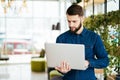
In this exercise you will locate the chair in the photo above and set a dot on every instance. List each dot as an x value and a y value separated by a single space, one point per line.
38 64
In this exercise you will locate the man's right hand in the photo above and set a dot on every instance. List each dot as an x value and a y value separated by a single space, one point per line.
64 67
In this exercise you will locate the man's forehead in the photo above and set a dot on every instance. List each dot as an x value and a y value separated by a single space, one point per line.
73 17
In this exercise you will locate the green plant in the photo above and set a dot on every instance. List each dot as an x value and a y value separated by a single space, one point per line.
101 24
117 69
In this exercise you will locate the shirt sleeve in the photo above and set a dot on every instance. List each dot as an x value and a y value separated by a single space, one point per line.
101 60
59 40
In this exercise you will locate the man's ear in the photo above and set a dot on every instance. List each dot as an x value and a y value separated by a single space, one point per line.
83 18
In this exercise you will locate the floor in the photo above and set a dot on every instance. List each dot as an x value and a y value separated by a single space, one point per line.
18 68
20 72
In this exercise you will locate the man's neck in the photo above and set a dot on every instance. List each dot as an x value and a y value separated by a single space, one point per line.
80 30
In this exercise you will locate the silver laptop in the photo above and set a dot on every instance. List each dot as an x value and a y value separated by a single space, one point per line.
74 54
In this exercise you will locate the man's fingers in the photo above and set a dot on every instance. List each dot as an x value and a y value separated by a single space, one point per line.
58 68
64 67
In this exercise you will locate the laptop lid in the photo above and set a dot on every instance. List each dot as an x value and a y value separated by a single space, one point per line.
74 54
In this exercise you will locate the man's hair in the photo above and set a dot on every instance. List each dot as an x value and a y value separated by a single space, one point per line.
75 10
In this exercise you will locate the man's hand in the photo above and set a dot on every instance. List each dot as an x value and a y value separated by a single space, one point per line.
64 67
86 63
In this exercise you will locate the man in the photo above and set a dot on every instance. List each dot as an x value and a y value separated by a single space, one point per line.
95 53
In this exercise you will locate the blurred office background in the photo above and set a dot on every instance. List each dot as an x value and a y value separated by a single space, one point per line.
25 25
28 24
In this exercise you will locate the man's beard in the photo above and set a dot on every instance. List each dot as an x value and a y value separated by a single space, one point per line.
75 31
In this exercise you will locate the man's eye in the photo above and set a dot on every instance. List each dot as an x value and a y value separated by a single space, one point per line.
74 21
69 21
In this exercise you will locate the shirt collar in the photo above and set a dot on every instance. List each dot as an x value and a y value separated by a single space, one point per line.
83 32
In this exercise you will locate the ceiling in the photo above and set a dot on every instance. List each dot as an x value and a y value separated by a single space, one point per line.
96 1
91 2
99 1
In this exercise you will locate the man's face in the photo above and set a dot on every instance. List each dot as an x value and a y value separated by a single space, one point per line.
74 22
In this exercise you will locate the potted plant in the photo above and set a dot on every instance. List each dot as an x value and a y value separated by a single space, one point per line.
114 64
116 49
117 69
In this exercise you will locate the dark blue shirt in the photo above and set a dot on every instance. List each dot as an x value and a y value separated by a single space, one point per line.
95 53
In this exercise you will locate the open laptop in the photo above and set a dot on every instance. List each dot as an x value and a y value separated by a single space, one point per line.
74 54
